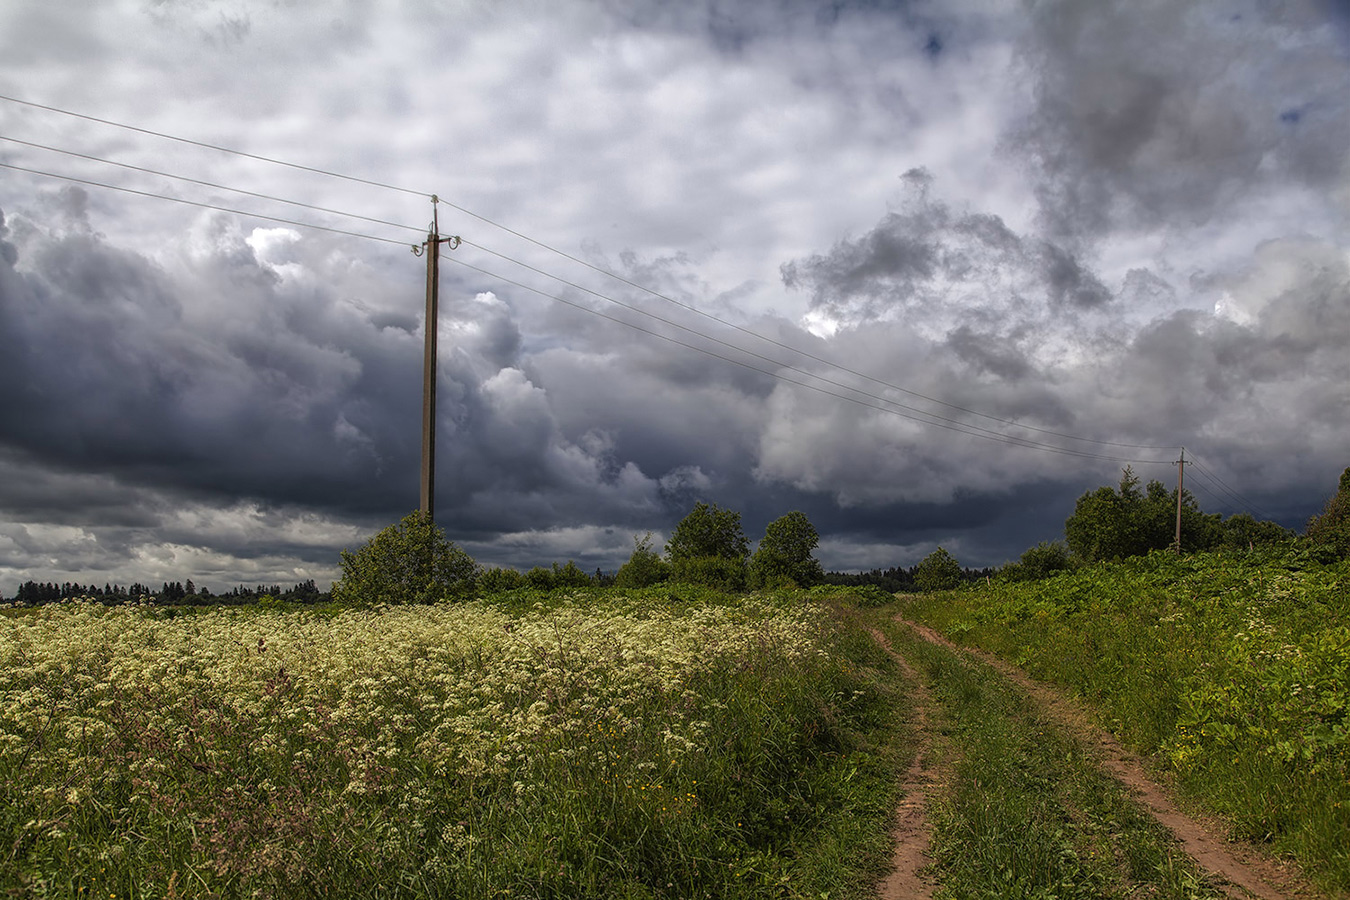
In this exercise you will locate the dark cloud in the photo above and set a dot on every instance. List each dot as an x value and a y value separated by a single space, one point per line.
1157 112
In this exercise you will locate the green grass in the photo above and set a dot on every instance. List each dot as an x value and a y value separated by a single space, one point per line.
1230 670
1030 815
570 745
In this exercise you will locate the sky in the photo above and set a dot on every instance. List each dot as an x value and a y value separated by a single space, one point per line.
925 271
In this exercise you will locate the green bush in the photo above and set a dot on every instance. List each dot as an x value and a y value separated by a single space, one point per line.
1041 561
939 571
712 571
409 562
1332 528
784 558
644 568
496 581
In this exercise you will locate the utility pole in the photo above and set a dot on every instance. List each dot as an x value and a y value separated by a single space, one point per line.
1181 466
431 248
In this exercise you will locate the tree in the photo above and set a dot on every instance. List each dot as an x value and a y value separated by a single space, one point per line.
784 556
708 547
939 571
1331 528
644 568
1109 524
1041 561
1243 531
493 581
409 562
708 531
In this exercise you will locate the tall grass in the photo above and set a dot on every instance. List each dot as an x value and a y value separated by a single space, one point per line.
1231 670
620 747
1030 815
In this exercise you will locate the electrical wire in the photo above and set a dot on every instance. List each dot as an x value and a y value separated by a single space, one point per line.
211 184
949 424
219 148
931 416
1241 501
593 267
239 212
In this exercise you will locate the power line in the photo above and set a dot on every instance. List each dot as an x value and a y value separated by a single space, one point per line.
933 416
240 212
777 343
217 147
593 267
949 424
1242 501
212 184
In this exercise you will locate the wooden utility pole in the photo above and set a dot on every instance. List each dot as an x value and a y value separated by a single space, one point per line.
431 247
1181 479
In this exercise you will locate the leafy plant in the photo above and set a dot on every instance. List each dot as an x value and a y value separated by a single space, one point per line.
708 530
939 571
709 547
409 562
644 568
784 556
1332 527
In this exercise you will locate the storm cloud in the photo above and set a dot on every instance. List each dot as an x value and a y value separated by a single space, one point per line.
926 272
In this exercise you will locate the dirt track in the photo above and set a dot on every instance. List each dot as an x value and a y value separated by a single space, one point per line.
1242 871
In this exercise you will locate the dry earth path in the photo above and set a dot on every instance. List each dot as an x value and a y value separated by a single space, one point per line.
1243 871
911 832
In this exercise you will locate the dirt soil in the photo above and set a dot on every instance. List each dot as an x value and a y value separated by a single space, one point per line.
1242 870
925 779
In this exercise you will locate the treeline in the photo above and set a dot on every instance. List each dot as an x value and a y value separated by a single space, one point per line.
35 593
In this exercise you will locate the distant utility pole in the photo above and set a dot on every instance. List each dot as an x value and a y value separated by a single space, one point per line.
431 248
1181 478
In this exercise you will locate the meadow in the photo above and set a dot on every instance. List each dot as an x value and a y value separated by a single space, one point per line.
1230 670
591 744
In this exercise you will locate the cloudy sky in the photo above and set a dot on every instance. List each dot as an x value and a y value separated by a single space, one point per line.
925 271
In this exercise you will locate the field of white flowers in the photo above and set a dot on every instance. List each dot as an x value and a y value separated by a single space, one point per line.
571 747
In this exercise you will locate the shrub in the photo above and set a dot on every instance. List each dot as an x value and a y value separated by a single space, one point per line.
784 556
495 581
939 571
1332 528
708 531
1041 561
644 568
713 571
409 562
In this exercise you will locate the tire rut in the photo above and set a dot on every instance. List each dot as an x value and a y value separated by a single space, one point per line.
1242 872
925 779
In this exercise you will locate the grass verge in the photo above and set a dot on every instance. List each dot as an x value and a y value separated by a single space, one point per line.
1030 815
1231 670
592 745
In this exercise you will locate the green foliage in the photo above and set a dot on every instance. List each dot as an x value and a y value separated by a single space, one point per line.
644 568
495 581
540 578
1041 561
736 749
1109 524
1332 527
719 572
1029 813
570 576
1243 531
784 556
409 562
708 531
939 571
1229 666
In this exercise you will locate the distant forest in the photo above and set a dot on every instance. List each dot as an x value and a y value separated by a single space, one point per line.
34 593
